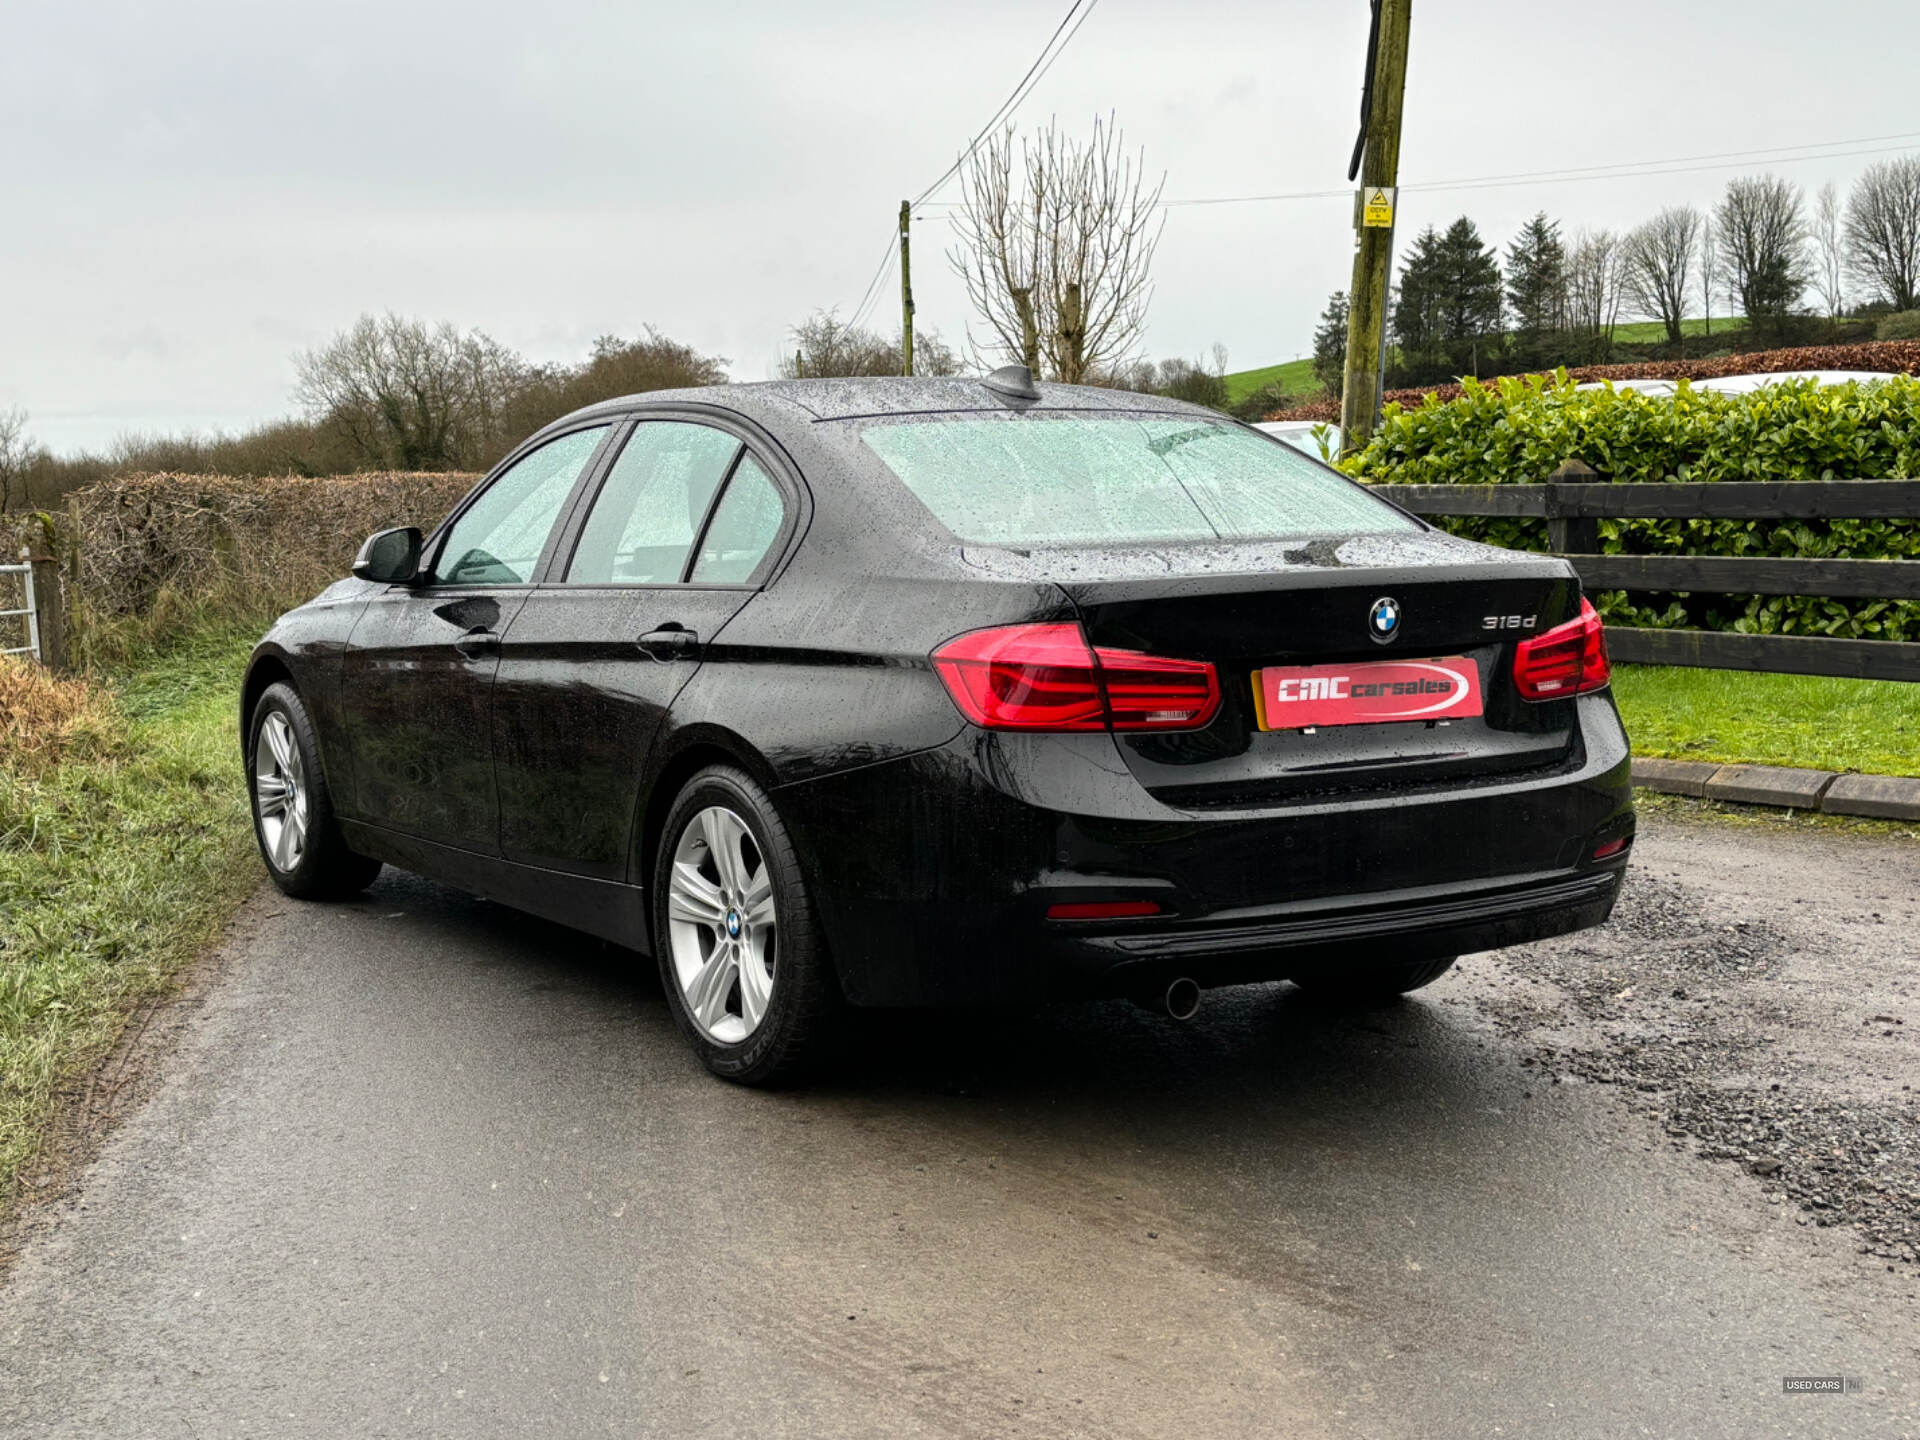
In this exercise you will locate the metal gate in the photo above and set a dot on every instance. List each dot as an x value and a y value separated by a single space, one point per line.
30 612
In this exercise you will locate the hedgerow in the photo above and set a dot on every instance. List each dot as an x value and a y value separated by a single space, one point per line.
1893 357
151 555
1519 431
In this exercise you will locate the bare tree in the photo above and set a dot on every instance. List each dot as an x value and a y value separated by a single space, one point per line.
1656 259
17 454
1829 254
1763 231
1595 271
616 366
1709 273
826 345
409 396
1056 251
1883 231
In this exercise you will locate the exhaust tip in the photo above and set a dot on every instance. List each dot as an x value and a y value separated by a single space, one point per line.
1182 1000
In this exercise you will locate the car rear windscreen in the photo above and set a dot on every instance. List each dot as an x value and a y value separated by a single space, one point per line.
1116 478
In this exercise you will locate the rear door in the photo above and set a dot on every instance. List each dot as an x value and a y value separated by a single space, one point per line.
664 556
417 691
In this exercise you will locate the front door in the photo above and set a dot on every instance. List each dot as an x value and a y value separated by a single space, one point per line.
420 665
596 656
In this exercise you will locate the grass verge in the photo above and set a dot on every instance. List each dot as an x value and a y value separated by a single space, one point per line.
1731 717
120 858
1766 817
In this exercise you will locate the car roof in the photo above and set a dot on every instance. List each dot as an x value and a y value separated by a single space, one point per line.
1739 384
859 396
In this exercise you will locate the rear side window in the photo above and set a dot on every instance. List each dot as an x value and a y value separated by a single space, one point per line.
644 520
1116 479
745 524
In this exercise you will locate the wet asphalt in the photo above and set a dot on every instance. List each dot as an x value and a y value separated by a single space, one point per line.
417 1166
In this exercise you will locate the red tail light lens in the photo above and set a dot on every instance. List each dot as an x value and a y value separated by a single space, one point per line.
1569 659
1151 692
1024 677
1046 677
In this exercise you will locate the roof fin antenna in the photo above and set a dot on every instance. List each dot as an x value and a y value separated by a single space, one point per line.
1013 381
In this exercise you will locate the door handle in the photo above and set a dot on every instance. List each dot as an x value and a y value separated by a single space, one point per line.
478 642
669 641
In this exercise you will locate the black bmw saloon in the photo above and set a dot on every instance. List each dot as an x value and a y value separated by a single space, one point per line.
904 692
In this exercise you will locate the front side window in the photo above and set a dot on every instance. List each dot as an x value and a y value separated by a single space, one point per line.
745 525
1116 479
644 520
498 539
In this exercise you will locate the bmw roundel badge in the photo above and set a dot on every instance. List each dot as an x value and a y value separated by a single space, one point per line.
1383 620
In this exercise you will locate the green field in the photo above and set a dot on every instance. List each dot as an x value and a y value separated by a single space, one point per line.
1652 332
1728 716
1295 377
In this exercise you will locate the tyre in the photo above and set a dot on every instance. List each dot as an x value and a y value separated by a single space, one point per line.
1373 984
742 958
292 807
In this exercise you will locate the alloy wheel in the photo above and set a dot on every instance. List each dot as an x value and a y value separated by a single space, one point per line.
721 925
280 792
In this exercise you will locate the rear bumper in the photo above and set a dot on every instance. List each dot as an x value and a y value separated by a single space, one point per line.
933 874
1384 930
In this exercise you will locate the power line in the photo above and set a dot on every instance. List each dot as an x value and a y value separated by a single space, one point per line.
872 289
1035 73
876 288
1676 165
1571 179
1633 165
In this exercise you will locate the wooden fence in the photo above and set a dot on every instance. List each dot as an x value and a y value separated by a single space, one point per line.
1575 500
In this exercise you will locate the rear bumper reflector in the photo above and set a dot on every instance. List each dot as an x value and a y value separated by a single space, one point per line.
1103 910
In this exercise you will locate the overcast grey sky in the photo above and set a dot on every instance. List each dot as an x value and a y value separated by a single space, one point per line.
194 191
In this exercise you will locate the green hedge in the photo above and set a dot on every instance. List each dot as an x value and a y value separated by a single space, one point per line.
1519 431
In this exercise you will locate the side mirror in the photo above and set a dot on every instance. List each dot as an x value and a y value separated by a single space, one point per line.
392 557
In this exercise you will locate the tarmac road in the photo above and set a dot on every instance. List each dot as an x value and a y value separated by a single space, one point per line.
417 1166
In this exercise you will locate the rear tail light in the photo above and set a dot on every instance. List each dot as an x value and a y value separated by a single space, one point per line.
1151 692
1611 848
1046 677
1024 677
1569 659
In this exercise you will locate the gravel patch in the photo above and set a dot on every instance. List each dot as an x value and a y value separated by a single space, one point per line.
1760 1027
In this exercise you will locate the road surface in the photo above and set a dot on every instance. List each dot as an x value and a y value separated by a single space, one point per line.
416 1166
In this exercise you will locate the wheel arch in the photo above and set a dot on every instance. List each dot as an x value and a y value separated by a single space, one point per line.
268 668
692 750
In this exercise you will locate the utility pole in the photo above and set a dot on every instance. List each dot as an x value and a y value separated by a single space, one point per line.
906 290
1379 165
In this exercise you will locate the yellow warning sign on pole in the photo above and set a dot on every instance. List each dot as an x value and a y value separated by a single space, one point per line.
1376 207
